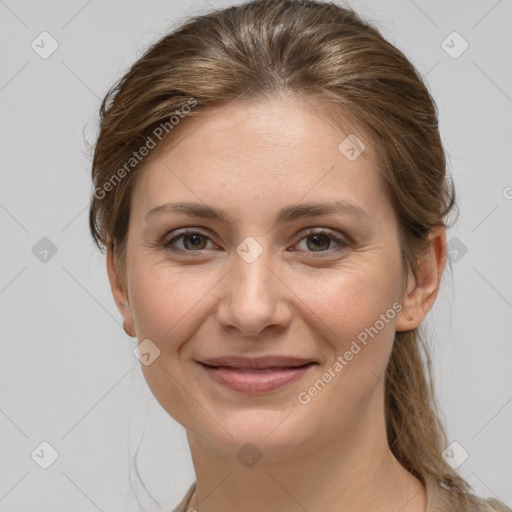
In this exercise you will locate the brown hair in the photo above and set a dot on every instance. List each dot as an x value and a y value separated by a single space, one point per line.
318 51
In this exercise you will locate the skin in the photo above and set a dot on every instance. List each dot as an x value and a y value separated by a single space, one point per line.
251 159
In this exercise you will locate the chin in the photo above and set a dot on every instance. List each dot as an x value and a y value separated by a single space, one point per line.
266 435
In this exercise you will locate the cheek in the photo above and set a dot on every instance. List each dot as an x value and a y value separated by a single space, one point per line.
349 301
168 306
356 314
168 302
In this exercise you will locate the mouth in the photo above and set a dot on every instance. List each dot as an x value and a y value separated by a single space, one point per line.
255 376
258 370
256 363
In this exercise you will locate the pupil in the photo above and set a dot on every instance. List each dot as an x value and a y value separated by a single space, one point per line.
318 239
194 239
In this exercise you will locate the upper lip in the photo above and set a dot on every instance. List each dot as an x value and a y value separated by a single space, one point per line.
257 362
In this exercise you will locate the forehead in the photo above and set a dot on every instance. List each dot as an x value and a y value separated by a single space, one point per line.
266 152
284 124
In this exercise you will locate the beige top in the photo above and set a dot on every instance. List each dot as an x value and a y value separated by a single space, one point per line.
438 500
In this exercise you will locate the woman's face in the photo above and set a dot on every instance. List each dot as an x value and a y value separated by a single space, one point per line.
269 278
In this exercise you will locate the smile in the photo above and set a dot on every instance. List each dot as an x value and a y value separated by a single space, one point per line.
255 381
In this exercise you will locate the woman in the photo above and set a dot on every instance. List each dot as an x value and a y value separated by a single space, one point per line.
270 187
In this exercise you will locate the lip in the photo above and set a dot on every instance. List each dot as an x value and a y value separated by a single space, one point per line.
256 376
258 363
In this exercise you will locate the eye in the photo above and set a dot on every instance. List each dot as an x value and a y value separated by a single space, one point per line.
190 241
321 242
195 242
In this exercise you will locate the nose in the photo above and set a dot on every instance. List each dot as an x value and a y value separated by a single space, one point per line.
254 297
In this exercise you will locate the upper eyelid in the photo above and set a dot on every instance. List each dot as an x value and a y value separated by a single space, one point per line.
188 231
309 232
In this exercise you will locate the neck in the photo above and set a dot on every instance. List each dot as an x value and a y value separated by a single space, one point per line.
353 472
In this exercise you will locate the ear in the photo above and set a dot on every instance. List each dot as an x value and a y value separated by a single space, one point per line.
120 296
423 287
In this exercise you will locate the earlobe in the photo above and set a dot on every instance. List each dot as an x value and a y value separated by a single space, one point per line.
129 328
119 294
422 288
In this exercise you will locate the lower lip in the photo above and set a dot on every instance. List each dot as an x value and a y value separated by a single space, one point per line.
255 381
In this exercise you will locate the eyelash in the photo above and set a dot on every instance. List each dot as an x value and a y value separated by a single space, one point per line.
316 254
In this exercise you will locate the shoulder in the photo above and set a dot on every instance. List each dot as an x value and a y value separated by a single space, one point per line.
493 505
487 504
442 499
438 500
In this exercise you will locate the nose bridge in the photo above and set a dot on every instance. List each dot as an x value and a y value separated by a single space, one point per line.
253 295
252 277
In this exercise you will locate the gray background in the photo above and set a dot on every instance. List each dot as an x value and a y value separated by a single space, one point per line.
68 375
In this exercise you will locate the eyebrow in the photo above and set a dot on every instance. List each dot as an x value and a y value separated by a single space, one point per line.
286 214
